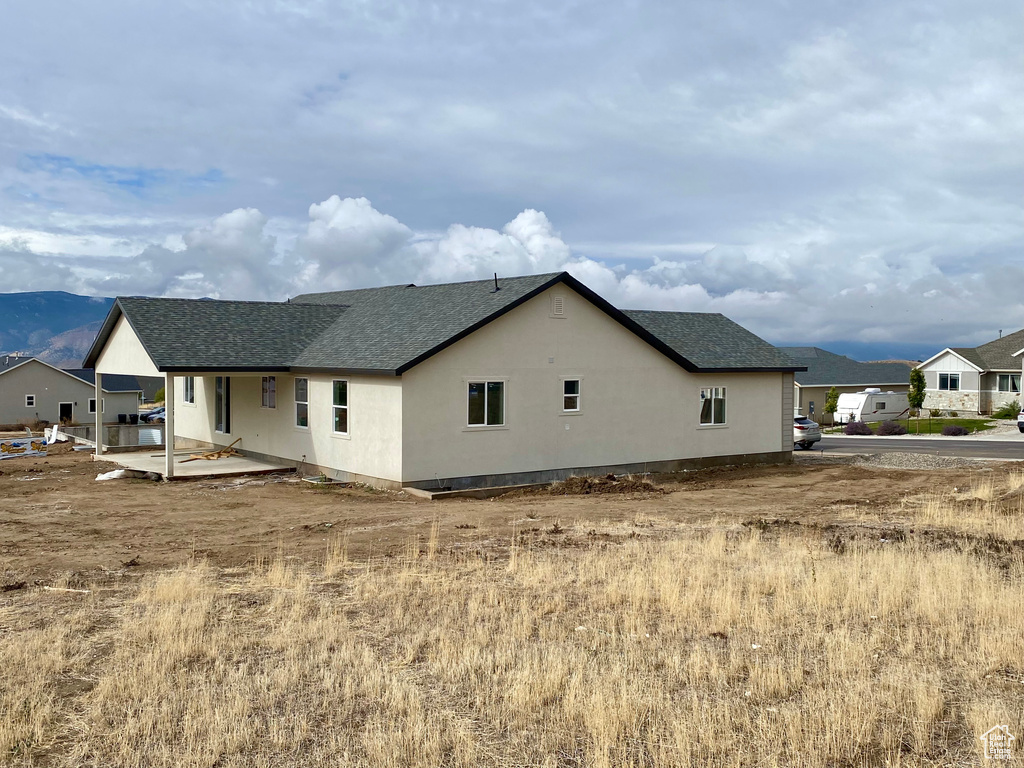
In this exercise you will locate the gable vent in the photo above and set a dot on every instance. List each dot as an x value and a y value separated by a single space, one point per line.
558 306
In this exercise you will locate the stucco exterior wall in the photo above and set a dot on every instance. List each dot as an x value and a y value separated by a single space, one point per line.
52 387
636 404
124 353
967 399
370 451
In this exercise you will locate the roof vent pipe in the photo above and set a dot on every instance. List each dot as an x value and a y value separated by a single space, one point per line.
496 288
1000 333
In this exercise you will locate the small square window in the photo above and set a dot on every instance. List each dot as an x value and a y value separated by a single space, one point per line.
949 382
712 406
486 403
30 401
571 395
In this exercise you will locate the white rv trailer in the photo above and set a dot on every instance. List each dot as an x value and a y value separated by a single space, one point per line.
871 405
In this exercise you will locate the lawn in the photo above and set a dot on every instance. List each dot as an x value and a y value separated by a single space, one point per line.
930 426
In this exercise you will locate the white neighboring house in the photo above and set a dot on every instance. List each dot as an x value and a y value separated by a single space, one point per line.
975 380
32 390
461 385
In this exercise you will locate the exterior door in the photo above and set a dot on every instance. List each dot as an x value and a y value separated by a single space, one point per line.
67 412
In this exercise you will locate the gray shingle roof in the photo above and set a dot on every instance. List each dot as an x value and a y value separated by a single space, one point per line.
712 341
995 355
112 382
826 368
389 330
9 361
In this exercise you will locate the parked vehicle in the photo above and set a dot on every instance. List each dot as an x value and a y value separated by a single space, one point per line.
156 416
1020 421
805 432
871 405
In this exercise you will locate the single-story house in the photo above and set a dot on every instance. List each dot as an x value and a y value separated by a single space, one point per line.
472 384
825 370
32 390
974 379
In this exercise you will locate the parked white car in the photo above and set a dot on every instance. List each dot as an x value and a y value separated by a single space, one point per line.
805 432
1020 421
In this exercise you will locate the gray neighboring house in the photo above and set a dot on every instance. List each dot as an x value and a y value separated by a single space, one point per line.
975 379
827 369
459 385
32 390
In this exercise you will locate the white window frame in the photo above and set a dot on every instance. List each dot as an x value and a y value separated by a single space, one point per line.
949 380
188 390
30 401
713 393
1009 382
487 380
335 408
578 395
92 405
268 392
295 392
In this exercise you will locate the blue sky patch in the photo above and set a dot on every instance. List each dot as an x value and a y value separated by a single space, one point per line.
136 180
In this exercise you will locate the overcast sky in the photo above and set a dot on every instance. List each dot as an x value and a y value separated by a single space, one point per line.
819 171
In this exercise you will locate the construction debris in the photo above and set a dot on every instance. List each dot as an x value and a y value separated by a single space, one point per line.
214 455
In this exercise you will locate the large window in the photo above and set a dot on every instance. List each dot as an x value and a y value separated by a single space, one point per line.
949 381
1009 382
269 390
222 404
188 391
302 403
340 406
712 405
570 395
486 403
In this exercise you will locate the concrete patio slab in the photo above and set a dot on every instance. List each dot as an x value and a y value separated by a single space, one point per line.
230 466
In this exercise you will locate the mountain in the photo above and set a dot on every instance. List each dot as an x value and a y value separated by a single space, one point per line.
55 326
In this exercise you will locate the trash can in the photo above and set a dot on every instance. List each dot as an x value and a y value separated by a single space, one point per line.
122 418
133 418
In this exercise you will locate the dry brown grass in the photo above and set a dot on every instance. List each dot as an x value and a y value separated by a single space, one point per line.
717 648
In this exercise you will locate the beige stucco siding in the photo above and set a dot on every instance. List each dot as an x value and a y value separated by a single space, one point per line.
372 448
50 388
124 353
636 404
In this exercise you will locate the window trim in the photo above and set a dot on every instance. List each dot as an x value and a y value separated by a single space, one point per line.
295 397
1009 383
92 405
578 395
713 396
30 401
225 405
485 380
949 378
268 395
334 407
188 391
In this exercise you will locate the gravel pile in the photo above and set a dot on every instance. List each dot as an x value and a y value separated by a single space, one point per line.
912 461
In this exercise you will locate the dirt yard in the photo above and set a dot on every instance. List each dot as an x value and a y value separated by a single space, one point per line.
57 521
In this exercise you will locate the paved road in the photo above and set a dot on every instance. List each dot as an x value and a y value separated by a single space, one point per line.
1011 448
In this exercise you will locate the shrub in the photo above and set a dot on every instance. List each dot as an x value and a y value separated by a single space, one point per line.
954 430
934 413
953 414
857 428
159 396
1008 410
887 428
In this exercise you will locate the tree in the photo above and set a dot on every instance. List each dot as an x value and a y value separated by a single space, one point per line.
915 395
831 404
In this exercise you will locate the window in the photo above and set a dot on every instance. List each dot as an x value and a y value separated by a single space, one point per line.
30 401
222 404
879 406
269 389
712 405
949 381
302 403
340 407
188 391
92 404
486 403
1009 382
570 394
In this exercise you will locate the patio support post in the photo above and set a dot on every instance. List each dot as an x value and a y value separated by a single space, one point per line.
99 413
169 425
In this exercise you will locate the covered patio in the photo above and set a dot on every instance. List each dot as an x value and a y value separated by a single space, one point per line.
228 466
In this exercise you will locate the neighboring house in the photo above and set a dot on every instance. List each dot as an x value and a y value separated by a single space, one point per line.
458 385
974 379
31 390
826 370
